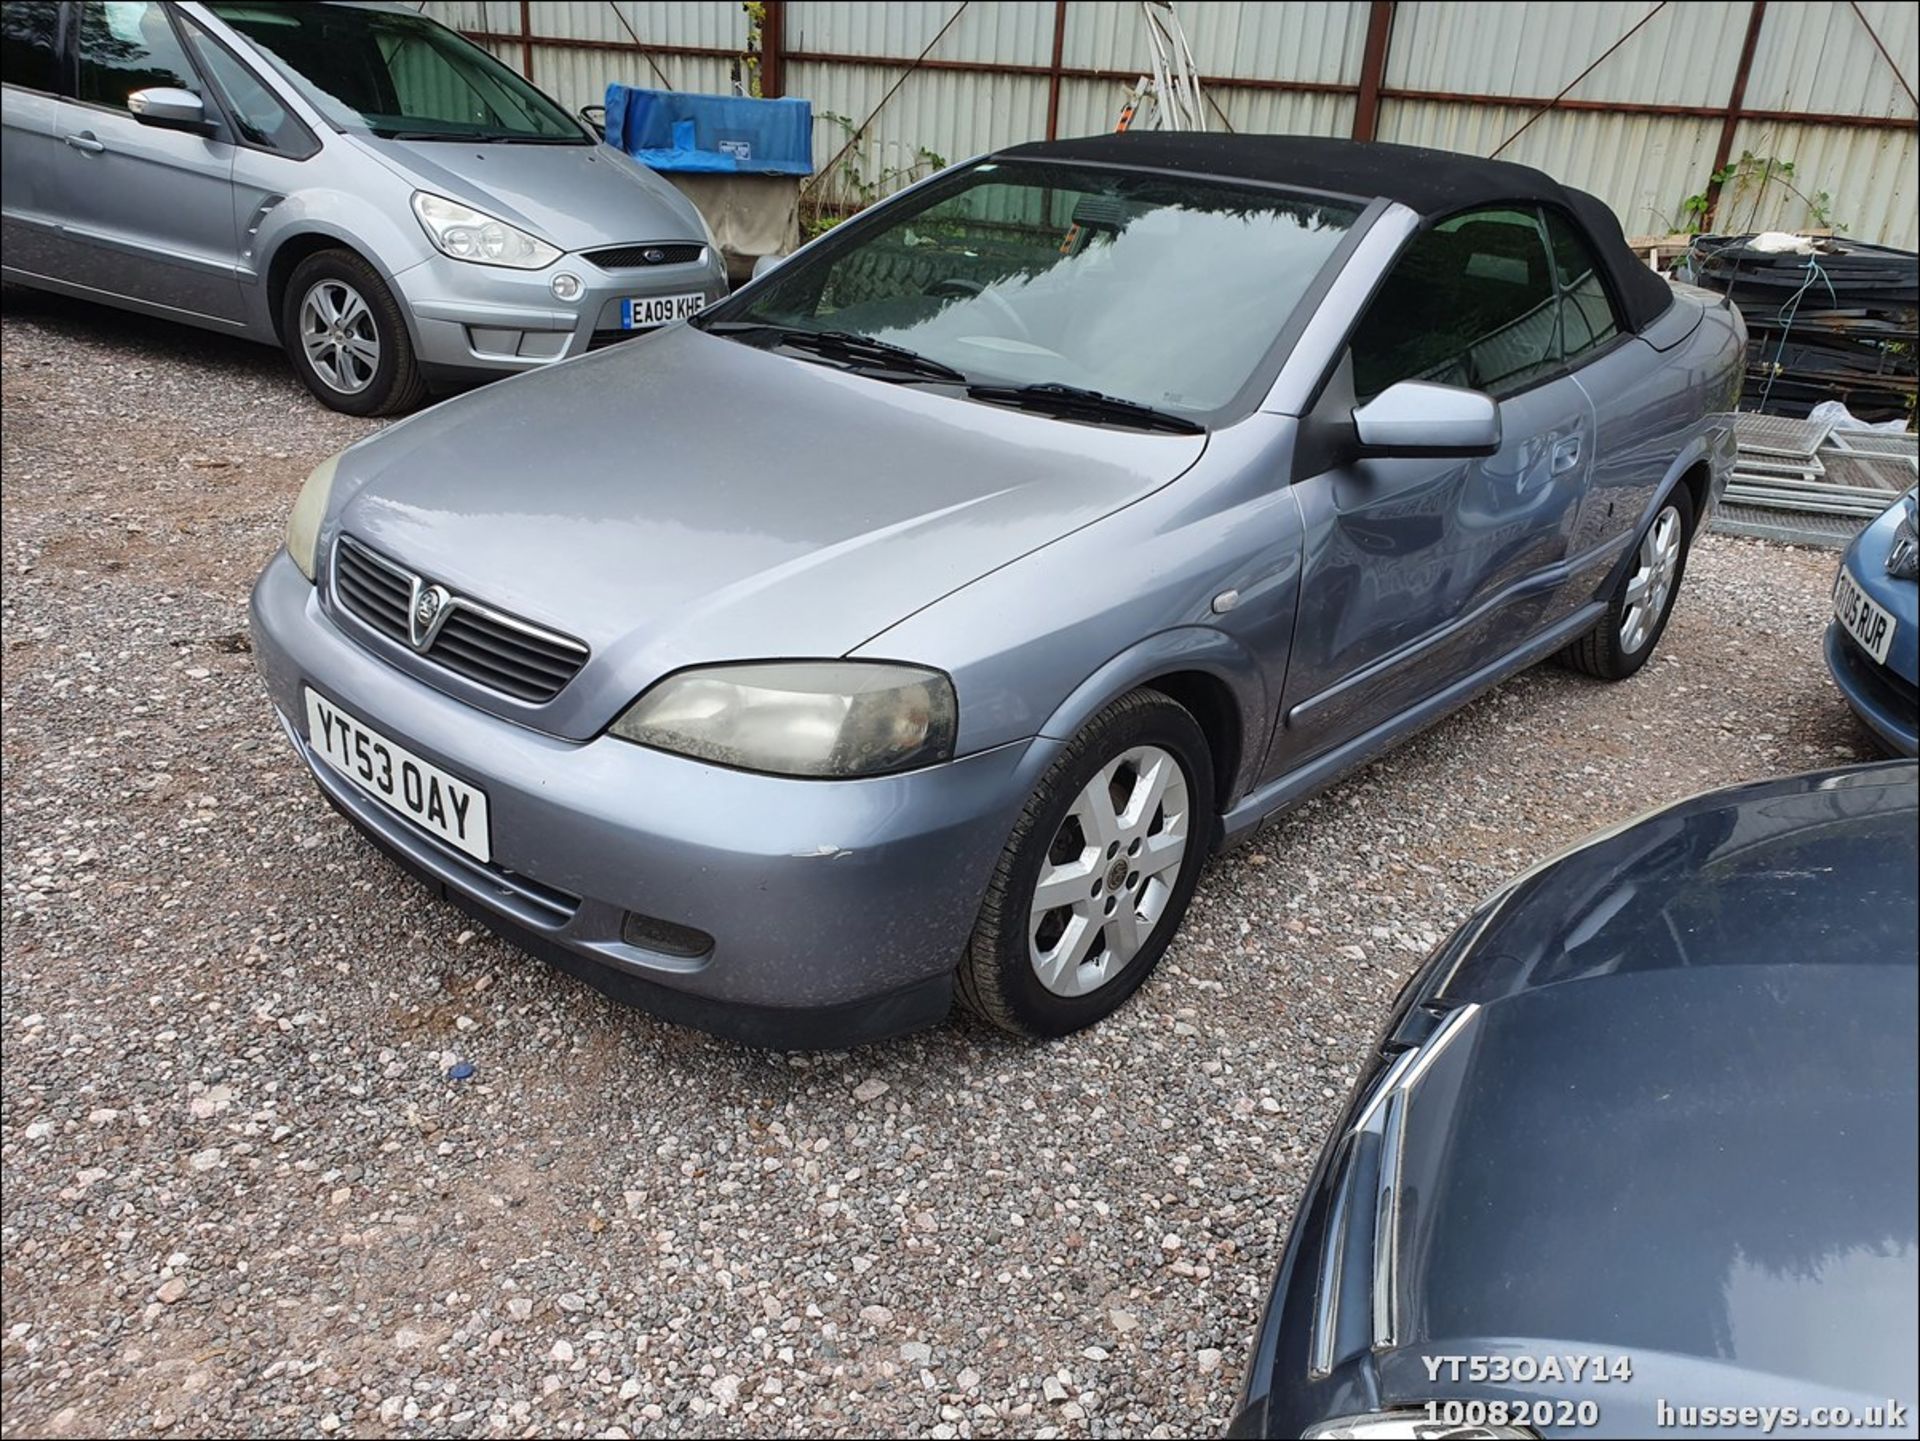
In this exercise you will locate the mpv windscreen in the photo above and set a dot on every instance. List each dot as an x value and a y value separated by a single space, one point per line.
400 76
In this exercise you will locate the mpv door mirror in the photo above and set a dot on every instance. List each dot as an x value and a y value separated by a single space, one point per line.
763 263
1418 418
169 108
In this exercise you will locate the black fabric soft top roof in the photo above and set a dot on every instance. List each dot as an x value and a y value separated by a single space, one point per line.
1436 183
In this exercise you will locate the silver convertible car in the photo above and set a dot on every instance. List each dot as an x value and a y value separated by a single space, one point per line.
914 623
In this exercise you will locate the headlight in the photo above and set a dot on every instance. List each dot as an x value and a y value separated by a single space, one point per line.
468 234
303 526
1410 1426
800 718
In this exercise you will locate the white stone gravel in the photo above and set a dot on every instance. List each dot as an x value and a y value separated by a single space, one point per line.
242 1195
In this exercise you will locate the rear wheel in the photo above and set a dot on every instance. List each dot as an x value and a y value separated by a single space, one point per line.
346 337
1097 874
1643 600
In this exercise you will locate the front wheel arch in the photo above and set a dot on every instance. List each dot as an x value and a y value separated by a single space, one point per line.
1207 672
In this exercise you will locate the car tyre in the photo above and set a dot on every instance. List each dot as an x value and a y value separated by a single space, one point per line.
347 338
1123 870
1642 600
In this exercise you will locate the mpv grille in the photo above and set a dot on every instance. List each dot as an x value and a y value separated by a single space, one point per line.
634 257
469 638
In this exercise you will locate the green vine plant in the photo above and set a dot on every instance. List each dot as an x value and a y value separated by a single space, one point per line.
756 13
855 180
1746 178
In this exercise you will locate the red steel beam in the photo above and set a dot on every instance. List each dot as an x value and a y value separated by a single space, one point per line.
526 38
1736 99
1054 71
1373 70
1221 82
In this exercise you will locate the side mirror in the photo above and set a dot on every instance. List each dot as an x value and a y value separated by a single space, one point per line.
1418 418
168 108
596 117
763 263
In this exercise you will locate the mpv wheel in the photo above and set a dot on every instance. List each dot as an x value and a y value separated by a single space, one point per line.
346 337
1097 874
1643 600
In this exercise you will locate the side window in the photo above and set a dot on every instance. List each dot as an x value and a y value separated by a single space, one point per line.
257 111
128 45
1587 321
29 32
1470 303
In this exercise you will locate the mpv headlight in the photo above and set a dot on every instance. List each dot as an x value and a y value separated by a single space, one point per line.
800 718
468 234
303 526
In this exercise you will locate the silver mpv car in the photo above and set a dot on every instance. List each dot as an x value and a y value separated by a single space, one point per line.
356 183
914 622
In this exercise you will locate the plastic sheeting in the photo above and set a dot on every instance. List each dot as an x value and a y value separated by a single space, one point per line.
677 132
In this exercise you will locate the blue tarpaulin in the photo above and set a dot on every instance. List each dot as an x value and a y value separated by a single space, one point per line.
712 134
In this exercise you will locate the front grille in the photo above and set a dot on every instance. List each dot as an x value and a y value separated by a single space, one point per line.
474 640
635 257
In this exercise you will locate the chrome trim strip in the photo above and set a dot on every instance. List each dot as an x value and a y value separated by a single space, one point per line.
1326 1305
1386 1216
1326 1309
1386 1223
1364 1122
415 583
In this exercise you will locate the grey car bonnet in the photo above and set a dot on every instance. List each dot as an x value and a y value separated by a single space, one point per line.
687 499
576 196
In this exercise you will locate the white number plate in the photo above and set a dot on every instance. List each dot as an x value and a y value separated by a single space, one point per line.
423 793
644 314
1869 624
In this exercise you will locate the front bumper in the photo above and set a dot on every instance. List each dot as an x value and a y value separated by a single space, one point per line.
1884 703
1883 695
486 320
837 909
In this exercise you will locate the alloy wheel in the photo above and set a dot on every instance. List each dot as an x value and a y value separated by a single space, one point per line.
1110 871
338 334
1655 570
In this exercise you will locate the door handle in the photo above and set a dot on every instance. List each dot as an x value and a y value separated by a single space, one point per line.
85 141
1566 454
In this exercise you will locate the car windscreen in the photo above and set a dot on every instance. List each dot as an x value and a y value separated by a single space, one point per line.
399 75
1165 290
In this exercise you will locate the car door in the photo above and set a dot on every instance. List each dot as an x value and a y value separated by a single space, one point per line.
1420 573
150 209
32 74
1643 419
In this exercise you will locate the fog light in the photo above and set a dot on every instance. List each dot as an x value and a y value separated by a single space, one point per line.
650 933
566 287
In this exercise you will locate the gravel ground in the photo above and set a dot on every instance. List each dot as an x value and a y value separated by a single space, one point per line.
242 1194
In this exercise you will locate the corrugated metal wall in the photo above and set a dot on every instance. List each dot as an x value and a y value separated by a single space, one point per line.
1623 130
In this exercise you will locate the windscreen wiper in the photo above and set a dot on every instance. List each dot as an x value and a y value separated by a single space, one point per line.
859 352
479 137
1072 402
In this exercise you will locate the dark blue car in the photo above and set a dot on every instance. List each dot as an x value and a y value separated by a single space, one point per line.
1873 643
1639 1139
